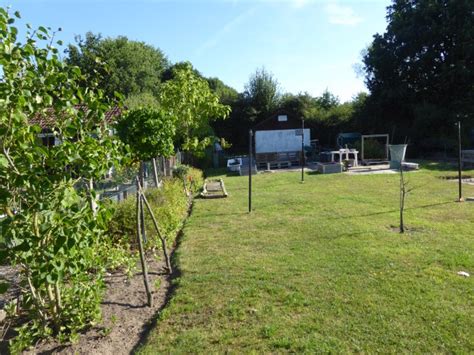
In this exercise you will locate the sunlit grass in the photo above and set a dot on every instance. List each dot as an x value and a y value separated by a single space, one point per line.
320 266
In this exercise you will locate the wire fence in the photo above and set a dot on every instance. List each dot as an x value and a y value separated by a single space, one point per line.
118 187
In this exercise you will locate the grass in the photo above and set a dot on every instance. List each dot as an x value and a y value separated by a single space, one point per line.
320 267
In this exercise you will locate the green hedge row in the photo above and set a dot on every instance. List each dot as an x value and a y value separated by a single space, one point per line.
169 204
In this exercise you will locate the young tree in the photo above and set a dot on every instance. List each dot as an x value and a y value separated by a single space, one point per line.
188 98
149 133
54 228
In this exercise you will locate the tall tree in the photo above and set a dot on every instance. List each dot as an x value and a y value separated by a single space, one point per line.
227 95
421 70
132 67
263 94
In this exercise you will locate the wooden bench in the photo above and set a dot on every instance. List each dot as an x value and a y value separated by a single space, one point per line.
279 160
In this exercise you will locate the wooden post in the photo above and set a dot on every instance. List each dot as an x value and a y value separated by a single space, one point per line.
402 198
162 239
250 169
140 247
155 172
302 151
460 198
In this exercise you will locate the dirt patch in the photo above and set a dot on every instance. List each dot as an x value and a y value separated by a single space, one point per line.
408 230
126 316
9 275
455 177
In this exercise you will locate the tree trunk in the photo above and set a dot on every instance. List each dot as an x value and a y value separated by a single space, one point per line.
140 247
92 198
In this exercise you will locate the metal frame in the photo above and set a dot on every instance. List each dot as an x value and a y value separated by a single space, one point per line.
386 136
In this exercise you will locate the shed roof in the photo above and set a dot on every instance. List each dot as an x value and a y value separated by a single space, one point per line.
48 119
272 122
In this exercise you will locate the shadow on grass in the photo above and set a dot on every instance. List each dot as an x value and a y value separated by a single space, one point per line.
210 173
150 326
391 211
437 166
234 214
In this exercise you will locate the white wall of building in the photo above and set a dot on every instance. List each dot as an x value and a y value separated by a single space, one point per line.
284 140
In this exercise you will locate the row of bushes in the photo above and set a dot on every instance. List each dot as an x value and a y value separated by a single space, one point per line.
114 249
169 204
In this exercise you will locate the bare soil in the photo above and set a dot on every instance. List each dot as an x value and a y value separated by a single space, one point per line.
126 316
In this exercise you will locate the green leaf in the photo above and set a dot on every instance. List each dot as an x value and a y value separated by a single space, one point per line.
3 161
4 287
43 29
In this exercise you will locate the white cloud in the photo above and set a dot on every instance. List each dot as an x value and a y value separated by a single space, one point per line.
342 15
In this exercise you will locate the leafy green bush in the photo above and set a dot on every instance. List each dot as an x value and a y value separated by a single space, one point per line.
193 177
53 229
169 204
373 149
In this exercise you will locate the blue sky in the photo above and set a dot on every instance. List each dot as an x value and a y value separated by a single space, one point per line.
308 45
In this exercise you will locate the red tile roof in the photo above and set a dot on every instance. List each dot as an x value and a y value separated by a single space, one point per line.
48 119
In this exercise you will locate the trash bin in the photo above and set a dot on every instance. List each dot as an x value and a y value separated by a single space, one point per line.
397 155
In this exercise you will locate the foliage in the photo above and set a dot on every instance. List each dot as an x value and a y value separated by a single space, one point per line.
148 132
54 225
131 68
421 70
227 95
169 204
192 177
145 99
262 93
327 100
373 149
188 98
196 177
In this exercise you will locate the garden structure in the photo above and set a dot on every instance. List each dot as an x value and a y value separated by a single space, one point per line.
278 141
214 189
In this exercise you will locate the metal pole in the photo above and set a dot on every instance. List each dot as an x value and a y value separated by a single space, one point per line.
250 169
302 151
459 162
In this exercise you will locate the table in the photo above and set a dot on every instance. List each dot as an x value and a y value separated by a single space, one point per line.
345 152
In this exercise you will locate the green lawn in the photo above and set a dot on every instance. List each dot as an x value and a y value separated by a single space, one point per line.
318 267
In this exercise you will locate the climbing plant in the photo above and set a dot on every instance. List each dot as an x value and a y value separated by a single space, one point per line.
54 226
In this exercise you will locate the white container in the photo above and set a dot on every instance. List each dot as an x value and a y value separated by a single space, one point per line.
397 155
234 164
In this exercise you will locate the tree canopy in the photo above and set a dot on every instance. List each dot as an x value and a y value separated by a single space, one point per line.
188 98
421 70
263 94
132 67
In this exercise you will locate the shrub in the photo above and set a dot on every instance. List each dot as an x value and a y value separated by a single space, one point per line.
373 149
193 177
169 204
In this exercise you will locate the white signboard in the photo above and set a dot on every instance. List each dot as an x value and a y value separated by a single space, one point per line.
284 140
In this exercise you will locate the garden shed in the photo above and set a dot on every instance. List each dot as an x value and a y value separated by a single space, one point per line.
278 141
